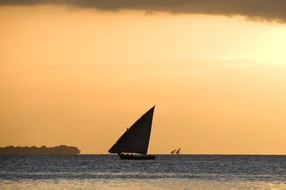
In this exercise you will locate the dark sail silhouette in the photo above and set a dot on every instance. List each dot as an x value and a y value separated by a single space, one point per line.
135 139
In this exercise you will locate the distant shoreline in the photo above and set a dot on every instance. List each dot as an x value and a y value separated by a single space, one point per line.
43 150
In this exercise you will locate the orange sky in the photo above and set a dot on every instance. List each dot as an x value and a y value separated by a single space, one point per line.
80 77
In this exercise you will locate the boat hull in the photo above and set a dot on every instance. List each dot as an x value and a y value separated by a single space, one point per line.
136 157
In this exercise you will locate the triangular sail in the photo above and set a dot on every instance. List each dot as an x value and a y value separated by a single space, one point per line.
136 138
178 151
173 151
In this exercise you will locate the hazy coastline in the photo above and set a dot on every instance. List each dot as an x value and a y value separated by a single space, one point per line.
43 150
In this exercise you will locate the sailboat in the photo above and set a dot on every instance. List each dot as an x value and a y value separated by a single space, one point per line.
173 151
178 151
133 144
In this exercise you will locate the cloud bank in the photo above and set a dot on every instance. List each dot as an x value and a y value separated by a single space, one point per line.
270 10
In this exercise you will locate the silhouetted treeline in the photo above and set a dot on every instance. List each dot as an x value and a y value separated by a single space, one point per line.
43 150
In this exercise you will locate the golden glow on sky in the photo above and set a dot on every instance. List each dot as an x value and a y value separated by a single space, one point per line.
80 77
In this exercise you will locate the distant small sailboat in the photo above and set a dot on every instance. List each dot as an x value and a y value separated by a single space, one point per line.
173 151
135 139
178 151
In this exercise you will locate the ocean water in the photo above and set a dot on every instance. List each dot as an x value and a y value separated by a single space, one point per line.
165 172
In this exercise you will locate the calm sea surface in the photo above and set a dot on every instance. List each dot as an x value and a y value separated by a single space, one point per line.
165 172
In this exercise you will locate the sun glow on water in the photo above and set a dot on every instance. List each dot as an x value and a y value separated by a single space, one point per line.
140 184
106 172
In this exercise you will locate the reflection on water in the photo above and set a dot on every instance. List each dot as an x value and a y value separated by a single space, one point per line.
138 184
166 172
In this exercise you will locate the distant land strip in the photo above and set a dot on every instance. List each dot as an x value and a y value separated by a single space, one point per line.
43 150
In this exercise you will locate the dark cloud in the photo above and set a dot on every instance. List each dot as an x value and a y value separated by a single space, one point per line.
270 10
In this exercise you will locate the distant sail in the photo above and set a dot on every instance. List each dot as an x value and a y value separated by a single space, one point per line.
173 151
136 138
178 151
